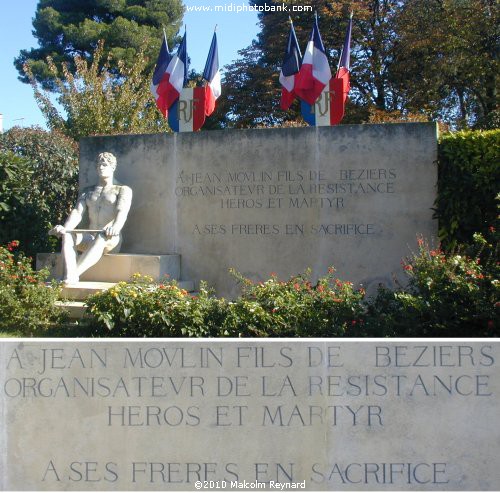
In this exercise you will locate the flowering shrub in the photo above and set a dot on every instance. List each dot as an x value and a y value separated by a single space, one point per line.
454 295
142 308
270 309
295 308
447 295
26 303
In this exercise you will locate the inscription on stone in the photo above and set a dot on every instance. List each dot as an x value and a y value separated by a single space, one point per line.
284 189
327 415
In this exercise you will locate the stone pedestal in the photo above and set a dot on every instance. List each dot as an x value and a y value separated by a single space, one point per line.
118 267
111 269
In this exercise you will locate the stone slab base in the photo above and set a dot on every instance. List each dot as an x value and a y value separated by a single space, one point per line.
118 267
76 309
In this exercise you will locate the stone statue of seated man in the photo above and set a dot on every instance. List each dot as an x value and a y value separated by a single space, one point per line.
108 205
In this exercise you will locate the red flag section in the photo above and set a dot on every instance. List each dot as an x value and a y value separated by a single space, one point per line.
339 88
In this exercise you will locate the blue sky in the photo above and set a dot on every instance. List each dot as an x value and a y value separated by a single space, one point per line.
17 105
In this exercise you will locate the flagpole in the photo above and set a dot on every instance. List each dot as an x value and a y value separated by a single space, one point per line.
340 58
342 50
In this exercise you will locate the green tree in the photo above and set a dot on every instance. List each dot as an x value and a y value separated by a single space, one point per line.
96 101
410 60
370 59
251 97
38 185
68 28
453 47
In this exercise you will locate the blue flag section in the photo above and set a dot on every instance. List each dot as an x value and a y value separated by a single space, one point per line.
162 63
346 49
291 67
212 64
161 77
182 55
212 75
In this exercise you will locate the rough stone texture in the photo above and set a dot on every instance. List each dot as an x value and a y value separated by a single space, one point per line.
279 200
118 267
339 415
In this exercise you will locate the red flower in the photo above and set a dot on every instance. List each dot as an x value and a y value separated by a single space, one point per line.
321 288
492 229
408 267
491 324
296 286
12 245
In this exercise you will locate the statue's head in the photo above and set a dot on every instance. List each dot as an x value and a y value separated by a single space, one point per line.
107 159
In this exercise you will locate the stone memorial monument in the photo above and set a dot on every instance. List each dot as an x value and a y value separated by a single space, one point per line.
278 200
354 197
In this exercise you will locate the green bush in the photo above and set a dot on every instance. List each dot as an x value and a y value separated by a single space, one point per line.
38 185
26 302
296 308
448 295
270 309
142 308
15 175
468 183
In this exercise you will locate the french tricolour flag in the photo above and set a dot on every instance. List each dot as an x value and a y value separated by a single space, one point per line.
160 77
315 72
291 67
212 75
172 81
329 108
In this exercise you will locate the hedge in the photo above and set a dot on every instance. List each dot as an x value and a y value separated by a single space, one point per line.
468 185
